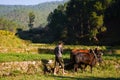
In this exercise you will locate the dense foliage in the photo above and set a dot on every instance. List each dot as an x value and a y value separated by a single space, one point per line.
112 23
83 21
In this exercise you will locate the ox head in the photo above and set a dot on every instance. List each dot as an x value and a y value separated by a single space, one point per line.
99 55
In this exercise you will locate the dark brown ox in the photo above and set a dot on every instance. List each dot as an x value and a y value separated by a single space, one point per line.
76 51
82 58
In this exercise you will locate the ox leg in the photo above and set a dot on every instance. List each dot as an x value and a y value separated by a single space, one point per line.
91 68
75 67
80 65
85 67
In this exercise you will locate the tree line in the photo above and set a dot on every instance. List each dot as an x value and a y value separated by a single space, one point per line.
90 22
86 22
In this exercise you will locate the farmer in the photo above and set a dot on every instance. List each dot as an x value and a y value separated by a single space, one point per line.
58 57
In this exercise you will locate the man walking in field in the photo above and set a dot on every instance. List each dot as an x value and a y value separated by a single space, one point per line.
58 57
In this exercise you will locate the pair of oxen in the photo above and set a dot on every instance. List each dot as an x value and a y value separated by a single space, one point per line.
81 58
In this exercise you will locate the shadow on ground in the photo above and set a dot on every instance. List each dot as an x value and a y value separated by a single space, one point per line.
86 78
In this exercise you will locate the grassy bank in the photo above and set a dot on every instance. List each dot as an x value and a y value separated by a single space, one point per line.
9 39
99 73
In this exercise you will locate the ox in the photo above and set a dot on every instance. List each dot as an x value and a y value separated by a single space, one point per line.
88 57
76 51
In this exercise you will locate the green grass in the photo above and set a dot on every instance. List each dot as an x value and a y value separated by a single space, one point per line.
104 72
111 57
24 57
96 75
7 57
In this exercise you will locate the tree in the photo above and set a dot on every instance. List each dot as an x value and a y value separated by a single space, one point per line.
57 23
112 22
97 19
83 21
31 20
78 19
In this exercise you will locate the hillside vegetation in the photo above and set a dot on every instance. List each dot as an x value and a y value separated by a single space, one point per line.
19 13
9 25
8 39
